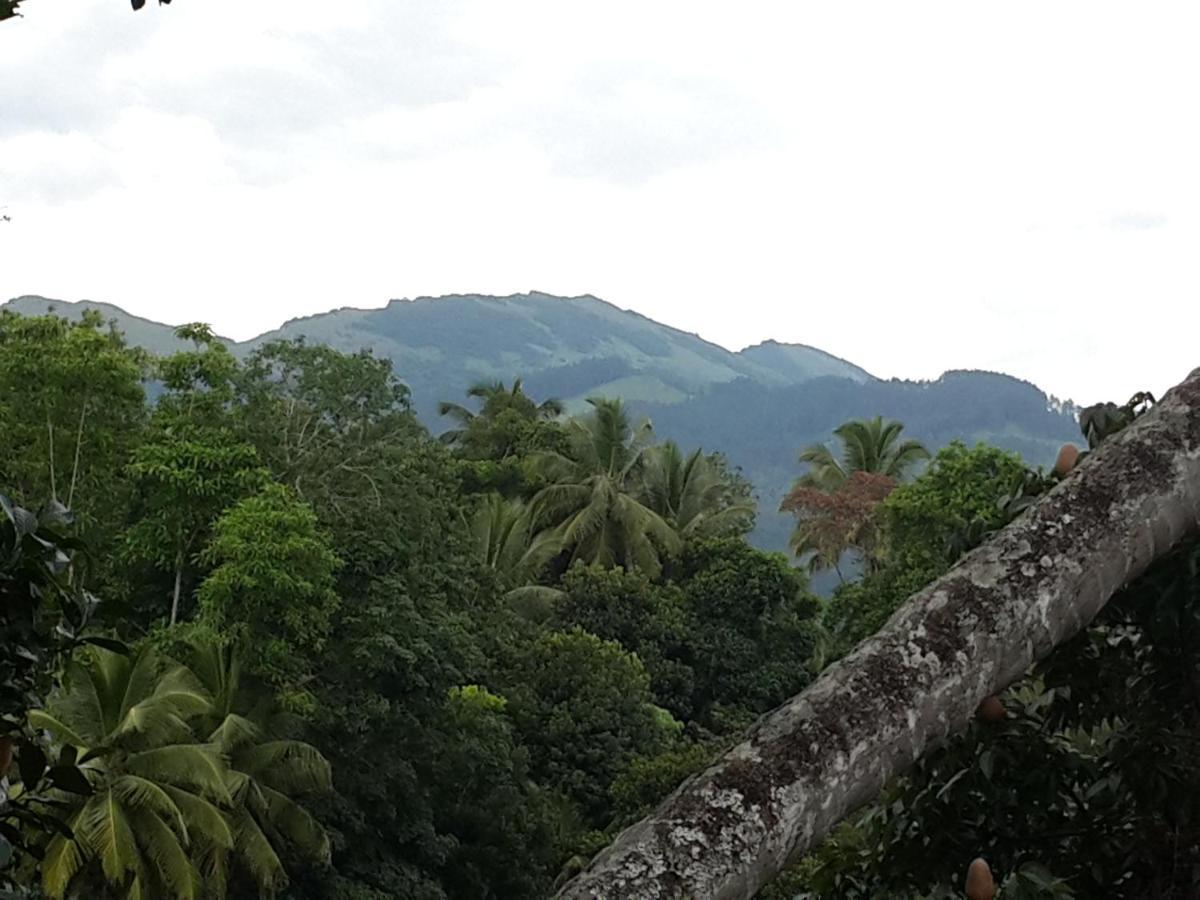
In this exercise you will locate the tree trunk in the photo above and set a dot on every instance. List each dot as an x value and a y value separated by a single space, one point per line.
178 587
804 766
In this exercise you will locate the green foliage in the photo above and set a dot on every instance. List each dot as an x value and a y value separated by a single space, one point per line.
584 709
44 614
648 780
192 464
923 523
749 622
186 797
272 586
71 408
321 420
484 798
591 501
868 445
696 494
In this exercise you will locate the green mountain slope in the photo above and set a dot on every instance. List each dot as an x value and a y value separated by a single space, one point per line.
759 406
569 347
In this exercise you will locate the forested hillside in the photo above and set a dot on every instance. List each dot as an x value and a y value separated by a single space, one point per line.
757 407
265 635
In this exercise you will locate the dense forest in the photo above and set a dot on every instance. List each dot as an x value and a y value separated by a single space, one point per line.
265 635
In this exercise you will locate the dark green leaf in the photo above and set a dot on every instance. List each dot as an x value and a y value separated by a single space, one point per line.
70 779
32 763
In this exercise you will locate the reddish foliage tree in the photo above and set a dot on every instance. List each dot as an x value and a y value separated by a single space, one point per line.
831 522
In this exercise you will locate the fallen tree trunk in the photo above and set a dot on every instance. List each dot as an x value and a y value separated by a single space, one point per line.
803 767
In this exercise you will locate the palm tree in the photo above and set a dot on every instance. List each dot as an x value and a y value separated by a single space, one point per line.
868 445
507 543
263 777
157 793
170 816
496 398
833 504
592 503
690 493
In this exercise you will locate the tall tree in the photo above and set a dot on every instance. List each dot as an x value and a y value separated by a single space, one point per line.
829 523
266 775
272 587
71 408
319 419
970 633
193 464
692 494
592 502
868 445
496 401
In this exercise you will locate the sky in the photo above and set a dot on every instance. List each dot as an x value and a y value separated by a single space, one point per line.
912 186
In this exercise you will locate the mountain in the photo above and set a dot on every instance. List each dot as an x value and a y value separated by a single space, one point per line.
759 406
568 347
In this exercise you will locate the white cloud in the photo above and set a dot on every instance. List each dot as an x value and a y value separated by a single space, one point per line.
913 186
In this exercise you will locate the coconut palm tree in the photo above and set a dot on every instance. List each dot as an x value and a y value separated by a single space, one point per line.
507 543
834 507
496 399
592 502
690 493
156 791
171 816
263 778
868 445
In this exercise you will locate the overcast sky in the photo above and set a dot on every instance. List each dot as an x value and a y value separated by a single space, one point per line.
912 186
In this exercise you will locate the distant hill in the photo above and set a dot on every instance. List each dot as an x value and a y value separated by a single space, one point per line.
758 406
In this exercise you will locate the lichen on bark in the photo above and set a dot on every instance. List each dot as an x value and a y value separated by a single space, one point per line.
804 766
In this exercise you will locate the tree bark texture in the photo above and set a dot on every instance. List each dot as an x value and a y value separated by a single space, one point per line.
727 831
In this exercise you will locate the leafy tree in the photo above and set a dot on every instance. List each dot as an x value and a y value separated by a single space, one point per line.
187 794
44 617
694 494
495 442
192 464
644 618
71 408
868 445
593 502
500 822
319 418
272 586
749 622
496 439
506 543
583 708
923 523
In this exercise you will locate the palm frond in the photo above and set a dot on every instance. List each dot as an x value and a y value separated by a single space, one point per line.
196 766
296 825
207 823
63 860
257 855
171 863
291 766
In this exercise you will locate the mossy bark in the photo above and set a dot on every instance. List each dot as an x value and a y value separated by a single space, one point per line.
804 766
